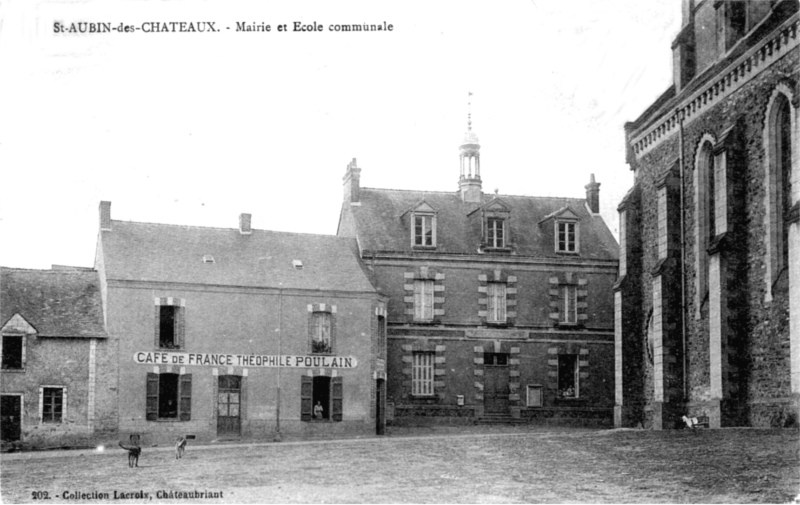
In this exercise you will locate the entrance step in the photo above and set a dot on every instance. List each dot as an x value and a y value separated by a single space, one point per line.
498 419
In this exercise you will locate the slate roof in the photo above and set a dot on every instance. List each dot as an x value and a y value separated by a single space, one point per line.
170 253
382 226
57 303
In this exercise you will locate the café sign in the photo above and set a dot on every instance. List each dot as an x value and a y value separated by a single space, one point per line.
246 360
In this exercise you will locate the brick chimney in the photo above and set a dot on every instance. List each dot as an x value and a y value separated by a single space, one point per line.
593 195
105 216
352 183
244 224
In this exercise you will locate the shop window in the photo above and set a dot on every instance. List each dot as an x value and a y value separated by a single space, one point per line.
169 396
12 352
495 232
321 325
52 404
496 308
422 374
568 386
321 398
568 305
423 300
567 237
534 397
424 230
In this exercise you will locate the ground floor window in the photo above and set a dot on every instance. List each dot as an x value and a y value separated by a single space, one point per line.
52 404
321 398
422 374
495 359
169 396
568 386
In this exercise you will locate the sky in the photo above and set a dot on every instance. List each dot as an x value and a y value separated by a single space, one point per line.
196 128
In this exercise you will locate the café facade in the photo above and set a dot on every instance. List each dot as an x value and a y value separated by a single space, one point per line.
228 333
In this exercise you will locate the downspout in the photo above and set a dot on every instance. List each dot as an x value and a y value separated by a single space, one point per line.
679 114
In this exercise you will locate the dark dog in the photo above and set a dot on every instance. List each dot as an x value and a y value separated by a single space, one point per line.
133 454
180 447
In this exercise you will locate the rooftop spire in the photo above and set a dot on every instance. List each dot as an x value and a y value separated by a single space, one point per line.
469 111
469 182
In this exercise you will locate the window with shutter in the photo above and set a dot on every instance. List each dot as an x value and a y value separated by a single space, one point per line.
306 394
186 397
337 393
170 323
152 397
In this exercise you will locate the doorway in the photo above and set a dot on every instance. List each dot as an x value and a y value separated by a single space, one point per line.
229 398
380 416
11 418
496 391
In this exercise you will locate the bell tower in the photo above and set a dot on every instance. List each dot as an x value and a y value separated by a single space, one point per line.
469 183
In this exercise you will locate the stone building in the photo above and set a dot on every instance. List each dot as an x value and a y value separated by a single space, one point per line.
240 332
708 301
58 378
500 306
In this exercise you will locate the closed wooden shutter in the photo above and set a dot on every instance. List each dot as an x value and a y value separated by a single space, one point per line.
306 391
185 391
180 327
336 397
157 332
151 412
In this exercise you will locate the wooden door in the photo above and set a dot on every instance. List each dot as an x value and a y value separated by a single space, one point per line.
379 414
229 397
11 418
495 390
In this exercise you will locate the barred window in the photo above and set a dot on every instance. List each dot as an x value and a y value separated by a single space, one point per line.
422 374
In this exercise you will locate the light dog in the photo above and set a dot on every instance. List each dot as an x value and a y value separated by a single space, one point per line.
180 447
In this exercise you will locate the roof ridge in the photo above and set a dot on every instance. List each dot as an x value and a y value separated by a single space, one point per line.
72 270
192 226
501 195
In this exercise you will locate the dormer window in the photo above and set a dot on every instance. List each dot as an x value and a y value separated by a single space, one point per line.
495 236
496 219
567 236
566 230
424 230
423 225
